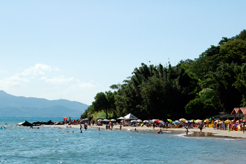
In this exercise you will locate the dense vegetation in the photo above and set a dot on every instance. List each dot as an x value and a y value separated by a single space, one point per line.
214 82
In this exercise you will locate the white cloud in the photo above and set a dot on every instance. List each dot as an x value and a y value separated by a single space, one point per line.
44 81
38 69
25 76
58 80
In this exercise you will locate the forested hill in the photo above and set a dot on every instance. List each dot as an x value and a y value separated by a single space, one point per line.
27 107
199 88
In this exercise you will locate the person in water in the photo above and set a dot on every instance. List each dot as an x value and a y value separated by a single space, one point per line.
160 131
98 129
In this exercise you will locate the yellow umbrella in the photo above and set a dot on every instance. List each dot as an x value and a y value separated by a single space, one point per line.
207 120
227 121
217 121
182 120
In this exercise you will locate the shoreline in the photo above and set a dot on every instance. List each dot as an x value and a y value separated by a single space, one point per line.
215 133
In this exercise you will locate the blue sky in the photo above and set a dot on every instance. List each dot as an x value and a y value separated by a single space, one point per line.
75 49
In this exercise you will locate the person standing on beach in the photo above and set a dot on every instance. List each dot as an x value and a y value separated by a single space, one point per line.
243 127
186 131
201 126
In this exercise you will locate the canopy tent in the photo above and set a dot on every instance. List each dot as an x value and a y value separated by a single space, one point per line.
130 117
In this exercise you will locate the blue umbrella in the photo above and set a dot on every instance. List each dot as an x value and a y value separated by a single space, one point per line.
175 123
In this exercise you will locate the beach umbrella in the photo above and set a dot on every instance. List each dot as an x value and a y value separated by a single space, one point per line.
120 118
217 121
192 120
130 117
198 121
112 120
133 120
175 122
146 121
182 120
139 120
65 118
169 120
99 120
106 120
153 120
239 120
227 121
207 120
157 121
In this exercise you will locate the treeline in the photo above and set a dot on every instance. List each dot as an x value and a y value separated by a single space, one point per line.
214 82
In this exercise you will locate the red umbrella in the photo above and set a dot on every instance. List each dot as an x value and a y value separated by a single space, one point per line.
65 118
157 121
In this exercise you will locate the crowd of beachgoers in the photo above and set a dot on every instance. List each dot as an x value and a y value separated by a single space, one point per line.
130 122
229 125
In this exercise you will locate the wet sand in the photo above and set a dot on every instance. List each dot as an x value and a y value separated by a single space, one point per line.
192 132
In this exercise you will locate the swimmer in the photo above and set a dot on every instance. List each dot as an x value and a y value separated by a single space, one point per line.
81 131
98 129
159 132
67 132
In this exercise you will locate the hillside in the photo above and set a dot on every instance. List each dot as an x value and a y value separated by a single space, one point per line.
37 107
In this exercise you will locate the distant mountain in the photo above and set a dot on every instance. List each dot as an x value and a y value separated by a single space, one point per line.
18 106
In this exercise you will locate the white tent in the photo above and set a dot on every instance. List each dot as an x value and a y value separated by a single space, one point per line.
130 117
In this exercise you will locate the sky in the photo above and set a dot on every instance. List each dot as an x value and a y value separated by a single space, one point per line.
57 49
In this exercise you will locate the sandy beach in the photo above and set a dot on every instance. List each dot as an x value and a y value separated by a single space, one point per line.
218 133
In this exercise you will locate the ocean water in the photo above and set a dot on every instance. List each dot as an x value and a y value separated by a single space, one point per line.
54 145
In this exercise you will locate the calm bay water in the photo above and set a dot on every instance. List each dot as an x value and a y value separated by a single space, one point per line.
54 145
